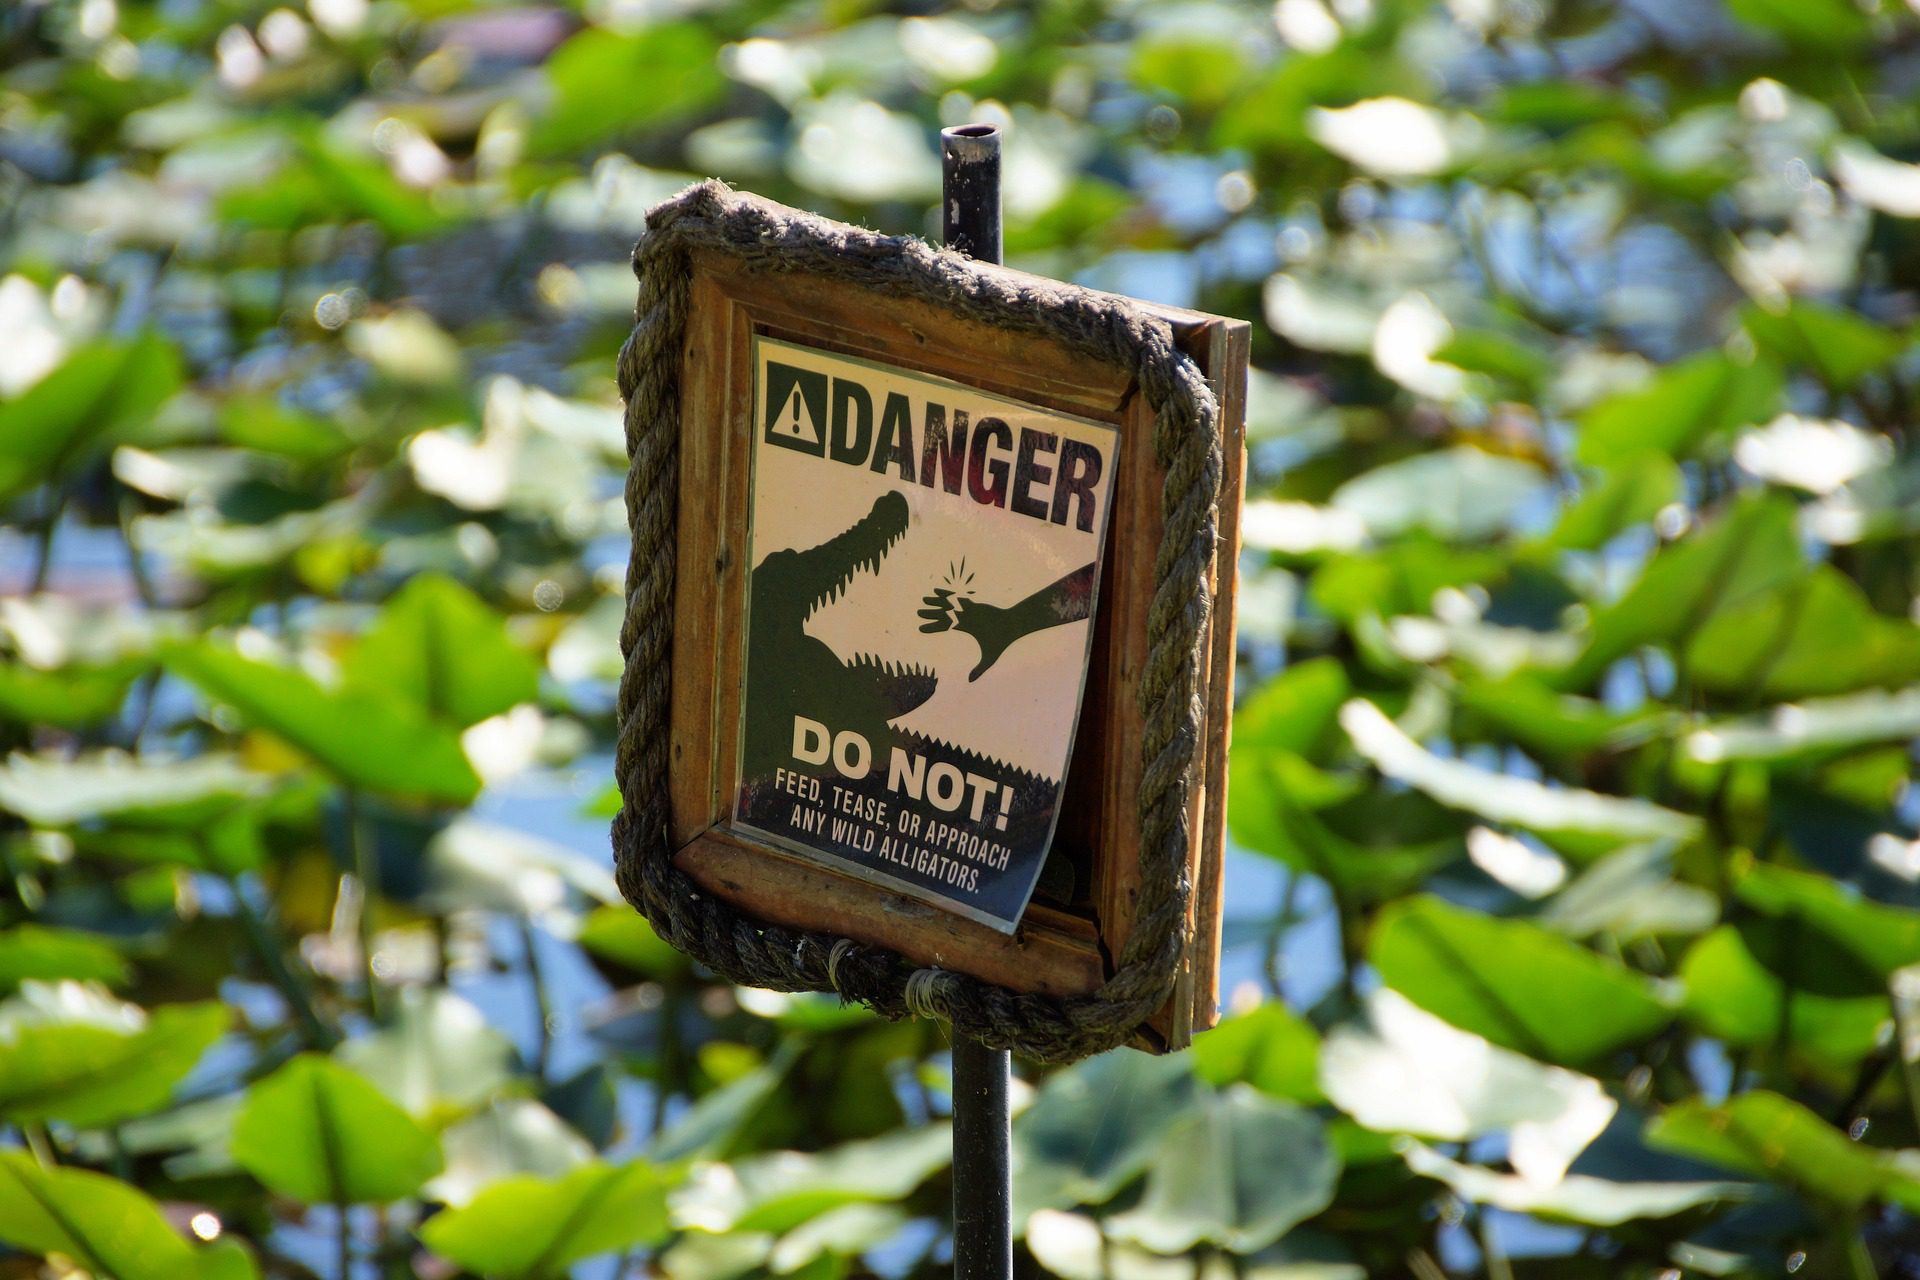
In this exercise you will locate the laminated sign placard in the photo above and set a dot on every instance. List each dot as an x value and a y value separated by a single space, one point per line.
925 563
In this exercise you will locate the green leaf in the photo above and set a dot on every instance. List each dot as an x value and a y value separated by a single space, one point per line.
191 1137
75 1055
1272 112
1884 938
365 739
777 1191
100 391
51 791
1196 67
1513 982
740 1255
1073 1246
623 936
227 1259
99 1224
1590 1201
1295 710
1271 801
321 1134
1560 104
198 537
1812 728
1399 578
1813 635
845 1232
1684 405
1094 1128
1629 493
477 865
437 1057
364 187
1522 367
1239 1170
710 1124
439 647
1269 1047
593 75
1458 494
1695 176
74 697
1527 711
527 1226
1732 995
31 952
266 425
1819 24
1410 1072
1747 551
1764 1135
508 1138
1631 894
1840 346
1504 797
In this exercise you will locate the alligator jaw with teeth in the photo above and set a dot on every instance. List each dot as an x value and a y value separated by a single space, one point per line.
790 673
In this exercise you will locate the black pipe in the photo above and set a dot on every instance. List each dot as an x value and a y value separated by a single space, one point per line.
982 1164
970 190
982 1132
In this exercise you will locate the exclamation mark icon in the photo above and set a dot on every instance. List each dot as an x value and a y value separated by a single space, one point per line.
1006 804
789 423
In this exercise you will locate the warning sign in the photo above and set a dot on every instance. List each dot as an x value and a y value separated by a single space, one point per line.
925 560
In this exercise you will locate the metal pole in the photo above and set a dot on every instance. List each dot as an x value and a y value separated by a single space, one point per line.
982 1133
970 187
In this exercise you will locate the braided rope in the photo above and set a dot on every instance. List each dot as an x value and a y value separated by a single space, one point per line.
768 238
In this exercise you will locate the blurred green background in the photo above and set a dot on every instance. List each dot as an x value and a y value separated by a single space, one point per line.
1574 898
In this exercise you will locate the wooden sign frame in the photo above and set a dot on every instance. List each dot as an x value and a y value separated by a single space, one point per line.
1058 950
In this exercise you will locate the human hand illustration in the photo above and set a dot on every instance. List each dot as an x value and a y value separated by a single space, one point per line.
995 628
992 627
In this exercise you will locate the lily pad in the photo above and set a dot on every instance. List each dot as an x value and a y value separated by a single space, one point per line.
98 1223
509 1138
31 952
1411 1073
321 1134
1815 635
1810 727
1094 1127
1733 995
777 1191
1269 1047
1749 550
1631 893
1685 404
1513 982
439 647
438 1057
1763 1135
97 392
364 738
1505 797
1630 492
71 1053
1458 494
527 1226
1590 1201
1238 1170
54 792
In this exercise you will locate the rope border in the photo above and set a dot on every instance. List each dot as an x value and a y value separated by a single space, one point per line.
769 238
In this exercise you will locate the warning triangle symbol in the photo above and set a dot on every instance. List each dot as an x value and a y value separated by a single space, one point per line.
795 420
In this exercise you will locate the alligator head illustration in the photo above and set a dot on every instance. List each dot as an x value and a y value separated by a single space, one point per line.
791 673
